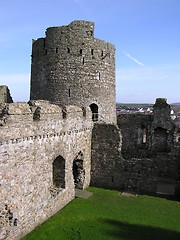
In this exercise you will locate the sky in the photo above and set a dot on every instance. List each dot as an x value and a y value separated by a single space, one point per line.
146 34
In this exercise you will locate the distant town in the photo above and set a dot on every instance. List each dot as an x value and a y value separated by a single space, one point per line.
123 108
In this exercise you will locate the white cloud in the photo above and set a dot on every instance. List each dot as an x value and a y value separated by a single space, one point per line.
134 59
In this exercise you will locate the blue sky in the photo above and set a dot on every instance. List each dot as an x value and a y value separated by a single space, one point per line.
146 34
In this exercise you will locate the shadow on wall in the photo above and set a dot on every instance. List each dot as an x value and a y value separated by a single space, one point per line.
126 231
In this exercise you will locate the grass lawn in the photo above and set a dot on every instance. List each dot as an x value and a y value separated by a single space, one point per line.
108 215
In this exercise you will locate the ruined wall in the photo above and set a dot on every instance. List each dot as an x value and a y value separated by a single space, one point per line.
5 96
162 127
136 134
38 146
106 160
150 151
70 66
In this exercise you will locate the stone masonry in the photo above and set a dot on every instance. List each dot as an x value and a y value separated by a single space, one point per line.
66 136
45 145
70 66
5 96
151 151
37 157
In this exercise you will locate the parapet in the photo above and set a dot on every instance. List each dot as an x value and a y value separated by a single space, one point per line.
40 110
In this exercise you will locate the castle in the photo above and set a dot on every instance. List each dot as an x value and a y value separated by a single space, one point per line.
68 136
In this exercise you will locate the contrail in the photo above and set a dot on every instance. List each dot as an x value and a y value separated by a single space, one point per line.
134 59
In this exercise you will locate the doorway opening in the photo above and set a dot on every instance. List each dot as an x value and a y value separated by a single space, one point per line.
94 110
59 172
78 171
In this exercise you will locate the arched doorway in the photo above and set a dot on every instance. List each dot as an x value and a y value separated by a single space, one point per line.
59 172
78 171
94 110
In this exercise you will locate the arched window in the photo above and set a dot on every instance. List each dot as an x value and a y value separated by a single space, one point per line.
59 172
94 110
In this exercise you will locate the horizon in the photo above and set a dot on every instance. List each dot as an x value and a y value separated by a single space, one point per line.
146 36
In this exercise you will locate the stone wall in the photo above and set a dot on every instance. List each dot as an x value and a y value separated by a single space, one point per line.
106 160
39 143
150 151
70 66
136 134
5 96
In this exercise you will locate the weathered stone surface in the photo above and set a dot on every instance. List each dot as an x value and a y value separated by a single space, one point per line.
71 67
150 149
5 96
28 149
106 157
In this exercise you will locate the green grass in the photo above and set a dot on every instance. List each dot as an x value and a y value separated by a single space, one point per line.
108 215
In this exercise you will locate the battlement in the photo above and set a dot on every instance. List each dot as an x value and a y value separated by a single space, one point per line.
75 39
37 119
39 146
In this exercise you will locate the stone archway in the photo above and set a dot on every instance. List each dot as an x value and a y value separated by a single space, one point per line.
78 171
94 110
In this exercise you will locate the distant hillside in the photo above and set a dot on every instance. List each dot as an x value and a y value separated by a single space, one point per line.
134 105
176 104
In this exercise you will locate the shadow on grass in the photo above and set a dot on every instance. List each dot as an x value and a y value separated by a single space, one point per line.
126 231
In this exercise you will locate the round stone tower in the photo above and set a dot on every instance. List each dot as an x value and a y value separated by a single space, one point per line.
71 67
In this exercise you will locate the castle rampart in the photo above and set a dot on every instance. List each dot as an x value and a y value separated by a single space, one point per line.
38 152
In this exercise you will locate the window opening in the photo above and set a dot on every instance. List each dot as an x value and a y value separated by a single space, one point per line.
44 44
59 172
64 113
144 139
94 110
160 139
